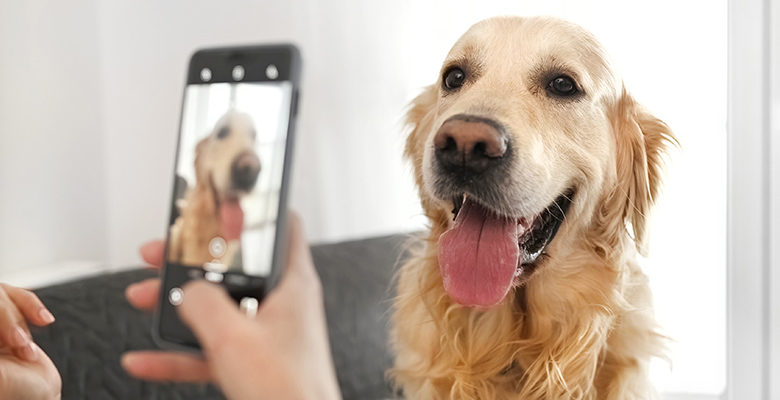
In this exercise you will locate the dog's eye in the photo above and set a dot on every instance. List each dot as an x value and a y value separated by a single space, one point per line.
562 86
454 78
223 133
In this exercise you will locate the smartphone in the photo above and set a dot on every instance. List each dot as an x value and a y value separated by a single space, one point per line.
231 177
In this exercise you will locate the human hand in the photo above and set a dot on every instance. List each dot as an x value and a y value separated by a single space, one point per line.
26 372
282 353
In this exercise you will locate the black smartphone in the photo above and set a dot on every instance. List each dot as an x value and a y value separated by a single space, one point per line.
228 210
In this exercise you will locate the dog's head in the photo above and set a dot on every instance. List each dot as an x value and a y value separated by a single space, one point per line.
226 159
527 143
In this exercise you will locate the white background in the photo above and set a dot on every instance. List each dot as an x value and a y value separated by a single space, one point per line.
774 305
89 104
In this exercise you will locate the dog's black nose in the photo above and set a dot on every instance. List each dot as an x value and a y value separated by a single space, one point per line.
468 144
244 171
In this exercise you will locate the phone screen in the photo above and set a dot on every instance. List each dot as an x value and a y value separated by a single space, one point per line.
228 184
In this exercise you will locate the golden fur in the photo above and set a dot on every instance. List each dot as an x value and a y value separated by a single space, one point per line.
199 220
582 326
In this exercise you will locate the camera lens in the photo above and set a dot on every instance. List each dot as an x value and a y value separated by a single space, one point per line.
271 72
238 73
205 74
175 296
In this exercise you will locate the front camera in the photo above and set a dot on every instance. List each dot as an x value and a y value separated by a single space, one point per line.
238 73
205 74
271 72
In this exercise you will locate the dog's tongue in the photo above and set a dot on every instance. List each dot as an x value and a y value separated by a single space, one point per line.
231 219
478 256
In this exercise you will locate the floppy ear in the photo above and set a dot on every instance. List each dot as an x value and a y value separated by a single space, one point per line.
203 194
642 141
419 118
201 175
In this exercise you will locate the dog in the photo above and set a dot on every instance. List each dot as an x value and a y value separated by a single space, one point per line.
211 219
537 171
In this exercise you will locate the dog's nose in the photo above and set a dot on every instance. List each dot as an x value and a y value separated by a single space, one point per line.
245 170
469 144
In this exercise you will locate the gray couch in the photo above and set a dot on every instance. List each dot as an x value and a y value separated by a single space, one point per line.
95 325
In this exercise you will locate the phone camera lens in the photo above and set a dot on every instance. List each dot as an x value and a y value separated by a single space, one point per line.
271 72
205 74
175 296
238 73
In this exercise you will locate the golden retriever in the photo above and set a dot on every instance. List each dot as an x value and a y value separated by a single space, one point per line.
226 168
537 171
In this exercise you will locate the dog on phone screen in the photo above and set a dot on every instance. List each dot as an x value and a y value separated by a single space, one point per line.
537 170
226 169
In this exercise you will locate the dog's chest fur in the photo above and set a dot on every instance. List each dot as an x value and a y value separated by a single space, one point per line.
553 339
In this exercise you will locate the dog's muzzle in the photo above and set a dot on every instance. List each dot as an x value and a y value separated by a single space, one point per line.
469 145
244 171
471 155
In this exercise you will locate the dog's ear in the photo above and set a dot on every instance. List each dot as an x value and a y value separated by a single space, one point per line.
419 120
204 193
200 172
642 142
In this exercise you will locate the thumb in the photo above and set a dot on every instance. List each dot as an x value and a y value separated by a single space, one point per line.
299 260
152 252
211 314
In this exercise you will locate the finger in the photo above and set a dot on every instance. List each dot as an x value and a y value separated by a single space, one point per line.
212 315
28 352
13 328
152 252
143 295
15 335
299 259
166 366
30 305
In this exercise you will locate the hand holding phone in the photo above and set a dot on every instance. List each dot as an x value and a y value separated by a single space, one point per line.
229 198
281 353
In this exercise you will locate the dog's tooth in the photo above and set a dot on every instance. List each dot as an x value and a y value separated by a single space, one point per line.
524 223
457 204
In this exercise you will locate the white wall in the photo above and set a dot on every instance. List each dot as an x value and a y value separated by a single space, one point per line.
52 191
774 182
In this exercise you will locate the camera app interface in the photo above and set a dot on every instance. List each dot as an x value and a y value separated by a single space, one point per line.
228 181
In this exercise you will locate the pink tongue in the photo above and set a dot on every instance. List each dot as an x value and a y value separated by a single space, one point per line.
231 219
478 256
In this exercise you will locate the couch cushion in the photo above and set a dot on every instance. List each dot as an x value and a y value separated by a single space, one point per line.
95 325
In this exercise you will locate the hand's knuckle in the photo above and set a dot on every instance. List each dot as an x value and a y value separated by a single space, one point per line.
226 342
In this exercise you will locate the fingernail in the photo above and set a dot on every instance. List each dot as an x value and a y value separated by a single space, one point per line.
29 352
148 245
131 289
19 338
46 316
127 360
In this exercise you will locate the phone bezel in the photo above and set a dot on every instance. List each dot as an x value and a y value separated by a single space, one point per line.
287 59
